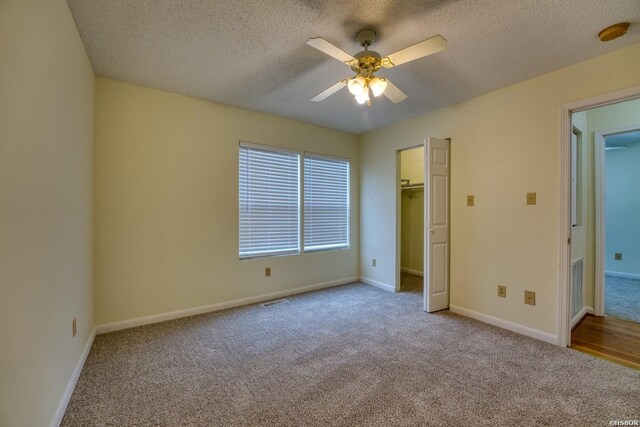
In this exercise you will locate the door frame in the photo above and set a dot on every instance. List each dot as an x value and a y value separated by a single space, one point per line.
600 211
563 329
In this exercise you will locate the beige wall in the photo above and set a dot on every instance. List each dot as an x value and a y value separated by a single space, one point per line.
504 144
412 165
46 131
412 231
166 204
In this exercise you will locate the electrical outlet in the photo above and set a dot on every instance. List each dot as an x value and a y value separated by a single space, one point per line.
531 198
471 200
267 272
502 291
374 262
530 297
74 328
618 256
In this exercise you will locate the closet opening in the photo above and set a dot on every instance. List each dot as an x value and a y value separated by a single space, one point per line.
412 220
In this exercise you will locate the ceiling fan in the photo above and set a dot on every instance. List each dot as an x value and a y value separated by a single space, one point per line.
368 62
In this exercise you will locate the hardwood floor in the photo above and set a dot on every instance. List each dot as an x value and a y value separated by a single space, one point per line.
610 338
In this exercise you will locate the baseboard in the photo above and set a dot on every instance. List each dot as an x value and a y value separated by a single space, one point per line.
505 324
578 317
377 284
410 271
623 275
71 385
156 318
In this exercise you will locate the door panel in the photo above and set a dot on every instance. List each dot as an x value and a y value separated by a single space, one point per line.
437 161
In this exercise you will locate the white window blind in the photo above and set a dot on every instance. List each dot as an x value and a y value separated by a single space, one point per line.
326 203
269 201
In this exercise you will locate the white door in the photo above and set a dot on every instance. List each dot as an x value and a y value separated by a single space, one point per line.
436 253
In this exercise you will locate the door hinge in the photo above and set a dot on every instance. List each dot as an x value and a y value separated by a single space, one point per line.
569 241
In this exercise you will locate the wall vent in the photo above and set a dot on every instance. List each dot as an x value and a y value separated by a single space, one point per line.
577 286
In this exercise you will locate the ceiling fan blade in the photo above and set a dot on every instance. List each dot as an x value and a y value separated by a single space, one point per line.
324 46
393 93
421 49
328 92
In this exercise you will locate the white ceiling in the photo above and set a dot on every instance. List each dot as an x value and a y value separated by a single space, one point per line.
252 53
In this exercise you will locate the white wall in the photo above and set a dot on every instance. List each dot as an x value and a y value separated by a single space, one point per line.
46 132
623 210
166 203
504 144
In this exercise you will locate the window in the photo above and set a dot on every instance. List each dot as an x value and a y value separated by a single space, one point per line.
268 201
326 203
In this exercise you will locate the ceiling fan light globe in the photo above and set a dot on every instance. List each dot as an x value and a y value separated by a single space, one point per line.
356 85
378 86
363 97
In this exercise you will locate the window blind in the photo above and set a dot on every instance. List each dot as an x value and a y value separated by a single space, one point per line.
326 203
268 201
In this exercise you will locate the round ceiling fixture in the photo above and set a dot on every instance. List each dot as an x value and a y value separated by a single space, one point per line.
614 31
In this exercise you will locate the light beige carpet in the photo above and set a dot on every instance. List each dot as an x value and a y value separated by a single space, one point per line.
347 356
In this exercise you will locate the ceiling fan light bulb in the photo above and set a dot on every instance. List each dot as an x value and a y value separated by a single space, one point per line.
356 85
378 85
363 97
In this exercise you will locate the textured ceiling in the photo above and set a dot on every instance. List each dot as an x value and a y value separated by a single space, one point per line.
252 54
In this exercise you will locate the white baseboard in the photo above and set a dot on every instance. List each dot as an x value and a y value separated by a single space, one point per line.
71 385
578 317
410 271
505 324
623 275
377 284
156 318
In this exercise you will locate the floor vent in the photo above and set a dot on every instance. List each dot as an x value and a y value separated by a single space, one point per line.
577 286
276 302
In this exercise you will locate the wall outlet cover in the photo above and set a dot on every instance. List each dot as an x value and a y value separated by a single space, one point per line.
502 291
374 262
267 272
618 256
530 297
531 198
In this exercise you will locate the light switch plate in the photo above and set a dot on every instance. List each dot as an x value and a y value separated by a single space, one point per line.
531 198
470 200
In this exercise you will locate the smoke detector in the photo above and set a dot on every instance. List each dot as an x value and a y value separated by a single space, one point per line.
614 31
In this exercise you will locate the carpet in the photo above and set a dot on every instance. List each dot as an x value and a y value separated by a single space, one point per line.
352 355
622 298
411 282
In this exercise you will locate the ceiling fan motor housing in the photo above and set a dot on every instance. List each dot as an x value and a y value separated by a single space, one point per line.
366 63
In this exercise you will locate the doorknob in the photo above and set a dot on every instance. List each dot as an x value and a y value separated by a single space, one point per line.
431 230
